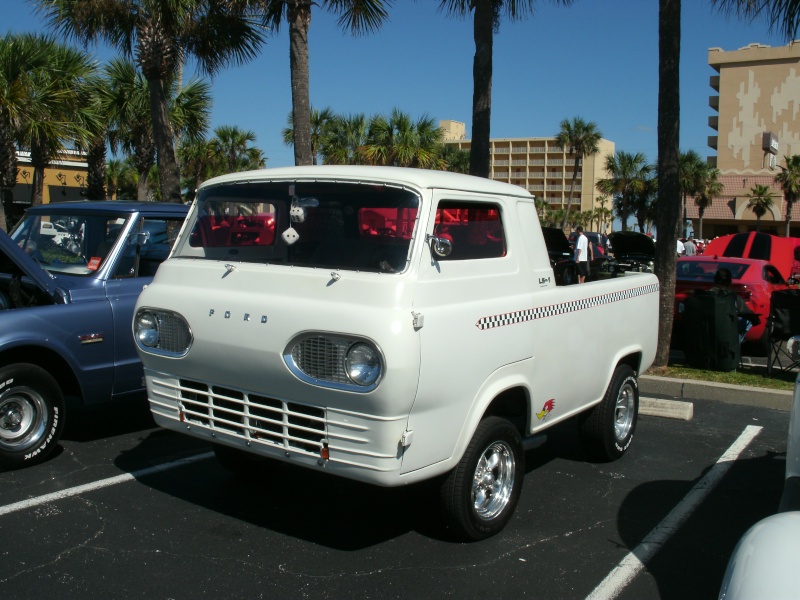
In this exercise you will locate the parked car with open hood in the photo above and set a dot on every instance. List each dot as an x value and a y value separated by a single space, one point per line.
67 294
561 255
776 250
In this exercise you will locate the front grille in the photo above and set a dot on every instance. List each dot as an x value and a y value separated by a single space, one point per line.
286 425
322 358
174 334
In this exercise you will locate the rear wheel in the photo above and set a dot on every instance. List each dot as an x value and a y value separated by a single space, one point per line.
31 415
607 429
480 494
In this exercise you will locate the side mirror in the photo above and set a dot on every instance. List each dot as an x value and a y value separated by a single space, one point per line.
441 247
142 237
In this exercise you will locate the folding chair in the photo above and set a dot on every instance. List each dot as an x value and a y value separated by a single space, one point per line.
783 323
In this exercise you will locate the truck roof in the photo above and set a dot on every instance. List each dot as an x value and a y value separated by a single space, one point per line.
111 207
420 178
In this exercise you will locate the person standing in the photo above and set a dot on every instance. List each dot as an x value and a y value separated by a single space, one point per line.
582 254
689 247
681 248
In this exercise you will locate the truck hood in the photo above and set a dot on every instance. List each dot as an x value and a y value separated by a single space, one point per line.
632 243
12 258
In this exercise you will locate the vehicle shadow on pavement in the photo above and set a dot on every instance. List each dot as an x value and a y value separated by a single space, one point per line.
748 492
323 509
108 419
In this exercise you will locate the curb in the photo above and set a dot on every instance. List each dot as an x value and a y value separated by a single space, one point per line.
687 390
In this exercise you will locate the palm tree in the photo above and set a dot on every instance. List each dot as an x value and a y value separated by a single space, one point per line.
345 139
644 203
789 180
113 177
759 201
669 192
582 139
399 141
710 189
485 23
199 162
783 15
320 124
58 117
629 174
19 54
355 16
232 145
127 102
691 169
456 160
160 35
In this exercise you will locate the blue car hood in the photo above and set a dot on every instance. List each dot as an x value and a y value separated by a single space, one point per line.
29 267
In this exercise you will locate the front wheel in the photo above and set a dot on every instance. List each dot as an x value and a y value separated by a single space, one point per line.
607 429
480 494
31 415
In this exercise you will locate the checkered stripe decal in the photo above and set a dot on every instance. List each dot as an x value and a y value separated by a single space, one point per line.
543 312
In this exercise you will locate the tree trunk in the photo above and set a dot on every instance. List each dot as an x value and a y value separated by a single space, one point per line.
96 158
39 160
141 187
669 194
571 188
168 172
299 16
788 219
8 172
483 27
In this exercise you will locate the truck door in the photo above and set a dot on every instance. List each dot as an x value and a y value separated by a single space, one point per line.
145 248
461 296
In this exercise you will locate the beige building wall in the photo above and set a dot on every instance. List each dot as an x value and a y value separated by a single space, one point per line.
544 168
758 92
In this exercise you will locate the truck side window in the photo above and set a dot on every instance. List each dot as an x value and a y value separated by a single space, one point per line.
474 228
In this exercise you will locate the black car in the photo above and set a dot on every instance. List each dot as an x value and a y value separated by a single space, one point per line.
561 256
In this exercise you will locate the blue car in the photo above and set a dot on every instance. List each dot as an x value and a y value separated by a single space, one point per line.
70 274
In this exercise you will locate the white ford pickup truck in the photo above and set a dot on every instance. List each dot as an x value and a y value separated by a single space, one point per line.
390 326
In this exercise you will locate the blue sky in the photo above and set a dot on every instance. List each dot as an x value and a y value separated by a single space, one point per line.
596 59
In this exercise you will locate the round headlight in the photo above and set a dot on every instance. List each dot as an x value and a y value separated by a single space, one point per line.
363 364
147 329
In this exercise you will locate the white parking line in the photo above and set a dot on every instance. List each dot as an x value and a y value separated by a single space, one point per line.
627 569
96 485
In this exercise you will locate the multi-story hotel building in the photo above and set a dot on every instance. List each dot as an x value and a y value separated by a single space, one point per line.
541 166
757 123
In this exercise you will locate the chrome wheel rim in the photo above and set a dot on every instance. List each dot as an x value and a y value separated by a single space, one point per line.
494 480
23 418
624 411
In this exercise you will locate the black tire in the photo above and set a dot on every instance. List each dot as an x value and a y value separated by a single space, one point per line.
479 496
31 415
240 463
607 429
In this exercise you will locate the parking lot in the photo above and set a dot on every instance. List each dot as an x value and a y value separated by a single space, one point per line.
157 517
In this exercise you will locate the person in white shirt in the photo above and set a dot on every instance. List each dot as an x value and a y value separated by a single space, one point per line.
681 248
582 254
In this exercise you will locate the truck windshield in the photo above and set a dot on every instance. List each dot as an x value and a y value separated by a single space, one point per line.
338 225
66 243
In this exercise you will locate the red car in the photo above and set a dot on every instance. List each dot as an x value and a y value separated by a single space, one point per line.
754 280
779 251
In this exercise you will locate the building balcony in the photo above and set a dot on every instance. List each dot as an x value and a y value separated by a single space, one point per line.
536 174
555 162
538 149
713 81
520 163
500 163
519 149
712 141
713 102
713 123
536 162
